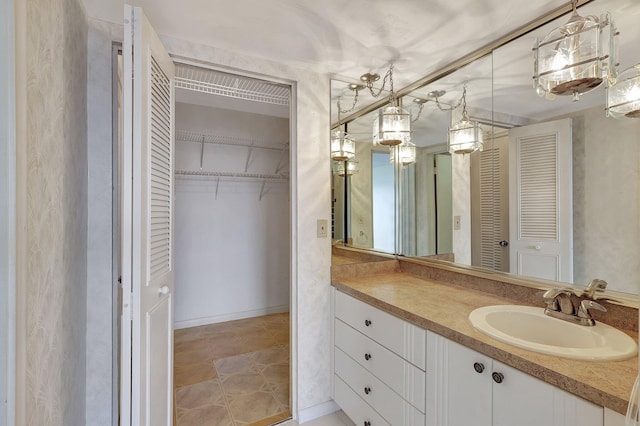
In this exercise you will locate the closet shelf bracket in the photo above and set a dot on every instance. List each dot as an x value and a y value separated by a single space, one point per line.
264 182
246 165
202 152
281 162
217 186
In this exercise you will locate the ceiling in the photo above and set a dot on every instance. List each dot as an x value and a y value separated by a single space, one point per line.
347 39
342 38
500 86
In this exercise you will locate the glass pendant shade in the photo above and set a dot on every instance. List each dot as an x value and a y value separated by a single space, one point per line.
406 153
623 97
339 168
343 146
576 57
465 137
392 126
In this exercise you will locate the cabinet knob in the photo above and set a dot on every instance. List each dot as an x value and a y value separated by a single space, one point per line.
367 390
367 356
478 366
497 377
367 323
367 423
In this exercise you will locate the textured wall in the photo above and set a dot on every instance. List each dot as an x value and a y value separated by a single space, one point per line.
606 200
56 216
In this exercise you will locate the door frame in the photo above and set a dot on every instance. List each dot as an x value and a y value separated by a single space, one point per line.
7 216
293 219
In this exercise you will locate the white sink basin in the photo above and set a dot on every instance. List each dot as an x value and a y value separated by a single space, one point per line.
529 328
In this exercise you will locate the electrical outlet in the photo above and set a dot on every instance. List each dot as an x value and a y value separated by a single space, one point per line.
456 223
322 228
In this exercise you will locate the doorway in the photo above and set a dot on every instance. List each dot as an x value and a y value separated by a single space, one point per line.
232 258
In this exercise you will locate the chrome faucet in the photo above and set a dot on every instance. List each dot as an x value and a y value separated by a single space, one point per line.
560 305
559 300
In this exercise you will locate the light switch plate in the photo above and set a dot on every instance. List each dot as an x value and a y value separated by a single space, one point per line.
456 223
322 228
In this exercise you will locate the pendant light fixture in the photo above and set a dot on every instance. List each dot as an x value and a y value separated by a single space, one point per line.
576 57
392 124
406 153
342 168
623 97
465 136
343 146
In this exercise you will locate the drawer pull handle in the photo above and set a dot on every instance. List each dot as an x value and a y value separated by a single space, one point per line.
367 356
497 377
367 423
367 390
478 366
367 323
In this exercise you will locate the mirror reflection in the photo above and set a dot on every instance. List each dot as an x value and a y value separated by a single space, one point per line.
555 192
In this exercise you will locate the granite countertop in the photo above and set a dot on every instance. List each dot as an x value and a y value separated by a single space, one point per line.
444 309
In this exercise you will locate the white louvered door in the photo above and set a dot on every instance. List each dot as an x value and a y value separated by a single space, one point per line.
541 202
490 205
147 264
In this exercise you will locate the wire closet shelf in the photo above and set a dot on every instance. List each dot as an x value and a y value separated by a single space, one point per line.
233 86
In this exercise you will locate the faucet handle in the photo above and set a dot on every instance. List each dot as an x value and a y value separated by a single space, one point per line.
594 285
586 305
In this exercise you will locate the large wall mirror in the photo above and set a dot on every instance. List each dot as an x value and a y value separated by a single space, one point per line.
463 208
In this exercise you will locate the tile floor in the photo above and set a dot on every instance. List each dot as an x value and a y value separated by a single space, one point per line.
232 373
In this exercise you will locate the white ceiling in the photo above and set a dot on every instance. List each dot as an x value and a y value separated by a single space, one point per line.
346 38
339 37
502 83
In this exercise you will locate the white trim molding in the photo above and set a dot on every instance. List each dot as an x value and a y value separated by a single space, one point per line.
230 317
317 411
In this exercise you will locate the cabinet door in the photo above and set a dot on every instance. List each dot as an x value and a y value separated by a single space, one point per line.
523 400
457 394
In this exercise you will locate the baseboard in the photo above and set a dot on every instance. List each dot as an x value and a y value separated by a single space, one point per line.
230 317
317 411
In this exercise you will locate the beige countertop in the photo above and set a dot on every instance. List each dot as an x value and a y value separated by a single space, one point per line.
444 309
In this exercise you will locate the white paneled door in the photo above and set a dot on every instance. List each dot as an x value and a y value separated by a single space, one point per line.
147 222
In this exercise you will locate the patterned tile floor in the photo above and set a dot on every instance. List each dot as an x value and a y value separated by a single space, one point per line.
232 373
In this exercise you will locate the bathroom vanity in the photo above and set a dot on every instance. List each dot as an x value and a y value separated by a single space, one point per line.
405 353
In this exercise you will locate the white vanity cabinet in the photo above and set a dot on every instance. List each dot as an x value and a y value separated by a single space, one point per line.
379 365
465 387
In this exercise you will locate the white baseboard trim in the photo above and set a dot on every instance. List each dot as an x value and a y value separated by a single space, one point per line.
317 411
230 317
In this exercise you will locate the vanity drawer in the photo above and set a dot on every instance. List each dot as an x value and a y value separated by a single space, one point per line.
404 378
354 407
370 389
403 338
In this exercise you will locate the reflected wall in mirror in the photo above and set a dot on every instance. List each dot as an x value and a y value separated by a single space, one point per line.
435 191
555 194
598 179
370 207
595 180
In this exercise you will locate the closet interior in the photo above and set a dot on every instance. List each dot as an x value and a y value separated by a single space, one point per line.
232 249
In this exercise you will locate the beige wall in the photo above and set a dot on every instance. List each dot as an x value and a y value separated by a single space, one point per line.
52 211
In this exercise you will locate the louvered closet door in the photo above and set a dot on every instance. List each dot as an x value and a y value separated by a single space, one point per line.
490 205
148 115
541 209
